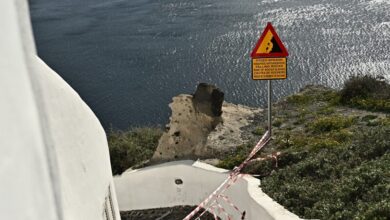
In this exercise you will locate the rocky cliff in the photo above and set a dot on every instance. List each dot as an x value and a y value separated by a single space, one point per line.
202 125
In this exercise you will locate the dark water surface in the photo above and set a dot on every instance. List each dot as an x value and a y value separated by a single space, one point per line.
128 58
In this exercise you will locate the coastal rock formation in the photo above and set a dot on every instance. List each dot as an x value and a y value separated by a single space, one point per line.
193 118
208 100
203 126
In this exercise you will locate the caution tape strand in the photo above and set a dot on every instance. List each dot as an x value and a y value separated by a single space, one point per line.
233 177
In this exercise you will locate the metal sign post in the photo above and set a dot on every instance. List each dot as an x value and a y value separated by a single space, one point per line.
269 107
269 62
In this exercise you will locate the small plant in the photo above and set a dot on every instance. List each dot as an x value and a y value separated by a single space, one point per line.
373 123
277 122
258 131
239 155
369 117
330 123
327 110
333 97
323 143
299 99
342 136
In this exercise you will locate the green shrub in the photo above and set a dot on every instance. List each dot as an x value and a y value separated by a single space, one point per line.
327 110
323 143
371 104
364 86
258 131
369 117
128 148
373 123
376 121
299 99
330 123
236 157
341 136
277 122
366 92
331 96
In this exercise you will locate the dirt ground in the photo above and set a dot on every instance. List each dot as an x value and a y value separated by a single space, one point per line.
171 213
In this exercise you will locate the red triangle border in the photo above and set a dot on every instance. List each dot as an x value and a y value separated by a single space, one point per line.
284 52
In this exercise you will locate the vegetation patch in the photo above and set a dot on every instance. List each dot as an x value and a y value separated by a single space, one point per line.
331 123
258 131
277 122
366 92
236 157
334 152
327 110
299 99
348 182
369 117
129 148
342 136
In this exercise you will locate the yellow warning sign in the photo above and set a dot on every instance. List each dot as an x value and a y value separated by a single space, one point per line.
269 68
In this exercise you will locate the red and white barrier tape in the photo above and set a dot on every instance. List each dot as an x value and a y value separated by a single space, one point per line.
212 210
231 179
227 200
211 206
222 210
273 156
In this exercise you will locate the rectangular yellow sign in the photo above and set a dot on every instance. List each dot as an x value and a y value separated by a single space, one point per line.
269 68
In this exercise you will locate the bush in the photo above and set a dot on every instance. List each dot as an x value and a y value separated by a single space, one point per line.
330 123
236 157
299 99
327 110
277 122
366 92
128 148
258 131
369 117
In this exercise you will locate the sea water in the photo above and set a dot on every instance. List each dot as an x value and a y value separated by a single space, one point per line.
128 58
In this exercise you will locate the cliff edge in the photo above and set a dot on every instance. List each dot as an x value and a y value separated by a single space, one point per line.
202 125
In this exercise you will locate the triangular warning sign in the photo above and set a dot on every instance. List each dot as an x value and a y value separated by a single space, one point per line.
269 44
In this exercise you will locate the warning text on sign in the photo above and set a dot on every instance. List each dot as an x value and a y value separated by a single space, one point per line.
269 68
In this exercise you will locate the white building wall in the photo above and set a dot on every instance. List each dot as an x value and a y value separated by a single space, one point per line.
54 161
26 187
80 144
155 187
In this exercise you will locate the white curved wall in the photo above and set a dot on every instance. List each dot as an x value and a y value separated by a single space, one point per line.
155 187
27 189
80 146
54 161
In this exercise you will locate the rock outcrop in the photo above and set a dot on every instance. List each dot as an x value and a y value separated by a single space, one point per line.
193 118
208 100
202 125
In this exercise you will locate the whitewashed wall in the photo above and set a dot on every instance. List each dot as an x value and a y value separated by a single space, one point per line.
80 146
54 161
155 187
26 186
